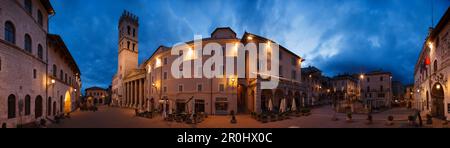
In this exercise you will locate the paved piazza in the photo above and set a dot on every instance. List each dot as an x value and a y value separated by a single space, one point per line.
108 117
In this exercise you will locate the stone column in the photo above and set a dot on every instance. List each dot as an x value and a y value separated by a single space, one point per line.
132 94
135 94
125 95
129 94
143 92
138 88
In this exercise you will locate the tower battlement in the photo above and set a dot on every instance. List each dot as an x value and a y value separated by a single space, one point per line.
129 17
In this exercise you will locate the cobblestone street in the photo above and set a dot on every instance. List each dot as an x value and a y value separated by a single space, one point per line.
108 117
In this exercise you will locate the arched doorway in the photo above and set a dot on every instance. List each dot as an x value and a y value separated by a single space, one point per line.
289 99
279 95
67 103
11 106
242 99
54 108
298 100
38 107
266 95
49 106
251 101
437 96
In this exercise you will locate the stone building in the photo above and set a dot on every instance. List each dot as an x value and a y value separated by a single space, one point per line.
39 78
344 92
409 96
96 95
316 86
432 88
151 85
398 91
376 89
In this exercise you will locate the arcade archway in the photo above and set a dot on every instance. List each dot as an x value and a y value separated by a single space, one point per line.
437 96
67 103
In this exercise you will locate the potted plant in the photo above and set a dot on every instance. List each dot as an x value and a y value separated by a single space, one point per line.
273 117
349 117
297 114
411 120
429 119
334 118
280 117
390 121
306 112
369 119
264 118
233 117
43 123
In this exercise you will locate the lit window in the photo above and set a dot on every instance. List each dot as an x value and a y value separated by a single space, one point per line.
221 87
199 87
180 88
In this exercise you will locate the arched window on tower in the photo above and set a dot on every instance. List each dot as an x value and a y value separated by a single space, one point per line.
128 45
28 43
10 32
134 45
134 32
129 30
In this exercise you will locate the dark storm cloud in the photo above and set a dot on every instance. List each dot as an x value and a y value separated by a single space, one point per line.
337 36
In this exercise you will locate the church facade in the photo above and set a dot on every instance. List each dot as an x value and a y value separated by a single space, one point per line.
152 86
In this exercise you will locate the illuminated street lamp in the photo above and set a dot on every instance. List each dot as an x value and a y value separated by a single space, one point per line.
52 81
438 87
361 76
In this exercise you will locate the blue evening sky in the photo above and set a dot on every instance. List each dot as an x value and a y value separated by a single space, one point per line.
337 36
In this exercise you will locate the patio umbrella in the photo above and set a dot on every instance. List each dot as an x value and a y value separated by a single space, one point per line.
270 106
294 106
283 105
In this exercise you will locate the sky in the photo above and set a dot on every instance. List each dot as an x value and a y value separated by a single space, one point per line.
337 36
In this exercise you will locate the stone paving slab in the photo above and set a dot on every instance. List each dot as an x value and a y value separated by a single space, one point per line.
321 118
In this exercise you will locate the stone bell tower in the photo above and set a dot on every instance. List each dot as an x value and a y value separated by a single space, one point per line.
128 44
